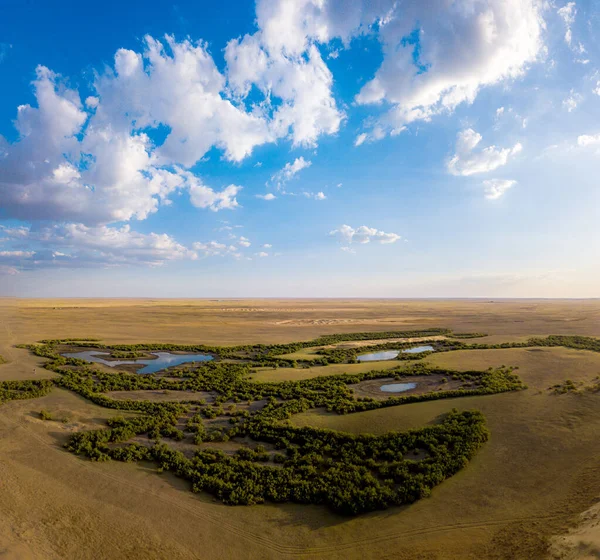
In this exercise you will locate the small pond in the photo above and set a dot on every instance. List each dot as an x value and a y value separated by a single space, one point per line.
419 349
163 360
391 354
387 355
398 387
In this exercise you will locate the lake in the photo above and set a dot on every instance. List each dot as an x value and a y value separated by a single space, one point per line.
163 360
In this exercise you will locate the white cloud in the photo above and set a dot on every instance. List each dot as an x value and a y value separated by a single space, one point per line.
435 58
244 242
289 171
572 101
16 254
95 162
92 102
360 139
468 162
267 246
363 235
586 140
317 196
268 196
495 188
596 90
282 60
110 170
568 13
216 249
262 254
177 84
202 196
77 245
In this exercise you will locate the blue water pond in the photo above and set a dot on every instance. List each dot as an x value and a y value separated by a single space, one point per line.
398 387
391 354
163 360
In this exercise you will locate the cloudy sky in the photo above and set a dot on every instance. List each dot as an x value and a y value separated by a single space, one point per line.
300 148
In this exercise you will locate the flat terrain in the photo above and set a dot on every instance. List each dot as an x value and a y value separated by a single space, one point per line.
526 488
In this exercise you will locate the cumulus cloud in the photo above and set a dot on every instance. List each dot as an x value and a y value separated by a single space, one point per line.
99 166
216 249
362 235
78 245
495 188
244 242
202 196
283 62
466 161
289 171
97 162
436 59
155 112
261 254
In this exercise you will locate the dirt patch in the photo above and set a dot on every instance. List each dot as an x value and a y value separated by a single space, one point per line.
299 322
582 541
425 384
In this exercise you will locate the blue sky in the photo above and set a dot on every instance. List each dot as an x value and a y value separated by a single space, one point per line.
302 148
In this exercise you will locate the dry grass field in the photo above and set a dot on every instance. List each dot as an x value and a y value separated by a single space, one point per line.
530 492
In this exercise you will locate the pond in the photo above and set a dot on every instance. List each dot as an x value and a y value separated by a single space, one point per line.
387 355
163 360
398 387
419 349
391 354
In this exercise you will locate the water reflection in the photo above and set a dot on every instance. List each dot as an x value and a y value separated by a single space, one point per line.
163 360
398 387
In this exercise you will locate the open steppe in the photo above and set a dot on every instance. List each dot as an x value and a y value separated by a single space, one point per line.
524 491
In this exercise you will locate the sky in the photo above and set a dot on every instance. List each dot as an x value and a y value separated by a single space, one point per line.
300 148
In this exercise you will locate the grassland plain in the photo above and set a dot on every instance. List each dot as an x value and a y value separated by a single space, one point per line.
533 479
